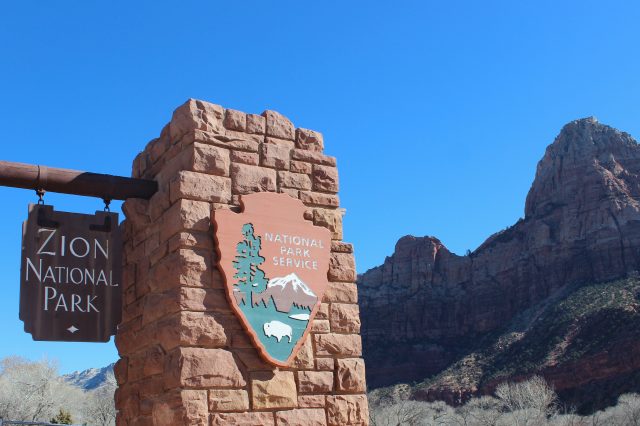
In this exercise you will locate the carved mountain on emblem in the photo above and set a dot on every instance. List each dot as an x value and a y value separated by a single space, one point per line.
286 292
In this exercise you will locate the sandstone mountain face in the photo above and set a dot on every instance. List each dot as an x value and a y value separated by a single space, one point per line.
426 310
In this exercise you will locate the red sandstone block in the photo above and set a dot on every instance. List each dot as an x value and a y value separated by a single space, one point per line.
345 345
132 336
273 389
345 318
202 329
315 381
225 400
186 215
251 158
199 367
158 254
342 267
311 401
279 126
142 289
241 340
230 140
320 326
350 376
313 157
309 140
181 407
157 148
242 419
319 199
325 364
170 164
200 187
125 338
209 159
325 179
132 310
247 179
191 240
127 401
235 120
151 243
150 387
158 204
184 267
158 305
203 299
301 417
294 180
341 292
194 115
120 370
136 166
304 358
347 410
128 275
294 193
341 247
280 142
250 358
323 311
136 211
256 124
330 219
275 156
153 361
301 167
308 214
136 367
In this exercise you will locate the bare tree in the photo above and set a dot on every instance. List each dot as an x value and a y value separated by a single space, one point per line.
100 408
630 407
401 413
33 391
529 402
485 410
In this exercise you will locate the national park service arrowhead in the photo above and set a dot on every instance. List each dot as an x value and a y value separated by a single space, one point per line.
275 265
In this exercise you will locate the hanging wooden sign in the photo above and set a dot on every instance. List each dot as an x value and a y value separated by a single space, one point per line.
275 265
70 275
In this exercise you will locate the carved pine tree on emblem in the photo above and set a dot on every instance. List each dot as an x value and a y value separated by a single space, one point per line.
247 264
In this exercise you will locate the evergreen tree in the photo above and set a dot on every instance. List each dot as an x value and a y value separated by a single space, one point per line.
247 262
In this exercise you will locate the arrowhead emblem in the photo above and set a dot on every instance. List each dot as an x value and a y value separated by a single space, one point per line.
275 266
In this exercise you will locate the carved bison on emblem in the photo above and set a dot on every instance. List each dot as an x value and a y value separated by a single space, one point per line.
278 330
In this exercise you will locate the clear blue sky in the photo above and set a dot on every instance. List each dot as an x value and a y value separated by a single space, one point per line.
437 111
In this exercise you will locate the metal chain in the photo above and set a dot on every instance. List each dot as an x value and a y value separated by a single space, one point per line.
107 201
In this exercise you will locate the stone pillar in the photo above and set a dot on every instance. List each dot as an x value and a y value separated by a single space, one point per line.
185 359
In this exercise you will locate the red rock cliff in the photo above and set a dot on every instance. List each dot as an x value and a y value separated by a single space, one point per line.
425 305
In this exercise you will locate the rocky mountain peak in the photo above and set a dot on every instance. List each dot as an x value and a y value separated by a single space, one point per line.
588 162
409 244
425 307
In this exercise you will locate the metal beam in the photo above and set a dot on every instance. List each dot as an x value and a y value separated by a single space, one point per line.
28 176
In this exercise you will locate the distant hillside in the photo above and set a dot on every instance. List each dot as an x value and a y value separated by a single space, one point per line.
90 379
548 295
585 340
